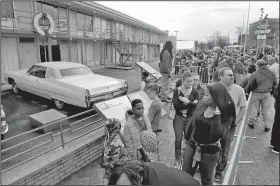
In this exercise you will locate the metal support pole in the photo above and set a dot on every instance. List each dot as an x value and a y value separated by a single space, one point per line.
242 33
0 80
247 26
61 135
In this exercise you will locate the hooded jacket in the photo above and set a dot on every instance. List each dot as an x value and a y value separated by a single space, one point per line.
262 81
159 174
131 135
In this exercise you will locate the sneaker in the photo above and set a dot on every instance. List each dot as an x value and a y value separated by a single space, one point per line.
275 151
218 177
251 126
266 129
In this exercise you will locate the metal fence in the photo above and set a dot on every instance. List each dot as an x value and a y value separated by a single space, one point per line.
232 167
51 135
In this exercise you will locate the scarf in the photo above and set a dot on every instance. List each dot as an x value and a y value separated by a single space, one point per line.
186 92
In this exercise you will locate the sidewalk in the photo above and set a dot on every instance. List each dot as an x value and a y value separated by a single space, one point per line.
93 174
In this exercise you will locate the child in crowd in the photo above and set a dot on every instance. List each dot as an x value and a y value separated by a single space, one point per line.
154 113
197 85
145 80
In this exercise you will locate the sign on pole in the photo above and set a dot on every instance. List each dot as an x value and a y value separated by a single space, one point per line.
261 37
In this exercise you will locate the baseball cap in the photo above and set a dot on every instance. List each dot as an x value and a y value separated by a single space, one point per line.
261 62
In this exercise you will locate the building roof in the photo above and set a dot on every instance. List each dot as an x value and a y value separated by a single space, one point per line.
269 19
94 8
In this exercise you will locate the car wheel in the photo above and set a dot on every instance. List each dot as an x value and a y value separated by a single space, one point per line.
59 104
15 88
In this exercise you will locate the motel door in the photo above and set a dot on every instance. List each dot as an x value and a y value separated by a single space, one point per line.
28 54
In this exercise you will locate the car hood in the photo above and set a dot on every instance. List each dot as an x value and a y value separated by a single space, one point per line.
95 83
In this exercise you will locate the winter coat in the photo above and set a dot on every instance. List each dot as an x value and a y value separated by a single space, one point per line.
131 136
165 65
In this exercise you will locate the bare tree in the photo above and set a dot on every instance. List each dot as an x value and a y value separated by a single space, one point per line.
202 45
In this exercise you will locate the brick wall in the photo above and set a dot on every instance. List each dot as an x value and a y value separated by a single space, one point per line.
66 165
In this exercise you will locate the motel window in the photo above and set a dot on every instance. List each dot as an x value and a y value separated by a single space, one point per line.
97 24
47 8
80 21
7 10
89 23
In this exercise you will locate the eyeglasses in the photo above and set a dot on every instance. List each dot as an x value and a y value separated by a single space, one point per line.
231 75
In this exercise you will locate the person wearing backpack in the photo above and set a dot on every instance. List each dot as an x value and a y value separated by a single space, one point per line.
213 117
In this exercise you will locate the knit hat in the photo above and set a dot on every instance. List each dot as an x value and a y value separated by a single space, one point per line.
261 62
113 125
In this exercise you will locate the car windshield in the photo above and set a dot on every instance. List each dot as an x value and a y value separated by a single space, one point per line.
74 71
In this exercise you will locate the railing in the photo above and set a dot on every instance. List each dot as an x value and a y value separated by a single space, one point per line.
60 133
231 170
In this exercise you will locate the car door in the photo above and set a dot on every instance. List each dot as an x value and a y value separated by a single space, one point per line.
45 83
32 78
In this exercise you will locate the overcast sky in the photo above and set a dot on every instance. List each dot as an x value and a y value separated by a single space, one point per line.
195 20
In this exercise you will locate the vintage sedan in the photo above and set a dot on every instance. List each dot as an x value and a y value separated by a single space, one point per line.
66 83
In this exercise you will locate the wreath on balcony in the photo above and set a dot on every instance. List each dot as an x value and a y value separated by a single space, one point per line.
50 28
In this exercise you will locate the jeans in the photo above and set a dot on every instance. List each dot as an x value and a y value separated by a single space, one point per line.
206 166
260 100
180 126
225 145
177 68
164 85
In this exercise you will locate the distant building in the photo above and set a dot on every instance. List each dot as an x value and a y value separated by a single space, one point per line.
272 38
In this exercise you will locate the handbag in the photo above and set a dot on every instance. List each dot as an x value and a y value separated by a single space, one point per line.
172 112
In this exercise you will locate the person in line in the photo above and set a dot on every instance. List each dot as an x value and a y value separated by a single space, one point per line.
165 68
237 94
274 140
136 122
238 71
155 109
185 98
197 85
145 81
245 80
213 117
177 64
274 67
148 173
262 84
228 62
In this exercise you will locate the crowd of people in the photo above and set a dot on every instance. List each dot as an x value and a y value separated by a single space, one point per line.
208 104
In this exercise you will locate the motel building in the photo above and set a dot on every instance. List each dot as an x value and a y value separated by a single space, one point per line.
82 32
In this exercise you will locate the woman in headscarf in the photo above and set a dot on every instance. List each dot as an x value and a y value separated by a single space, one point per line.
185 98
213 117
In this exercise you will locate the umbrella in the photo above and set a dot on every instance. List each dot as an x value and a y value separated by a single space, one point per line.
217 49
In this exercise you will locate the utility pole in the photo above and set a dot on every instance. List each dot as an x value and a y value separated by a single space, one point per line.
242 32
247 26
176 41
